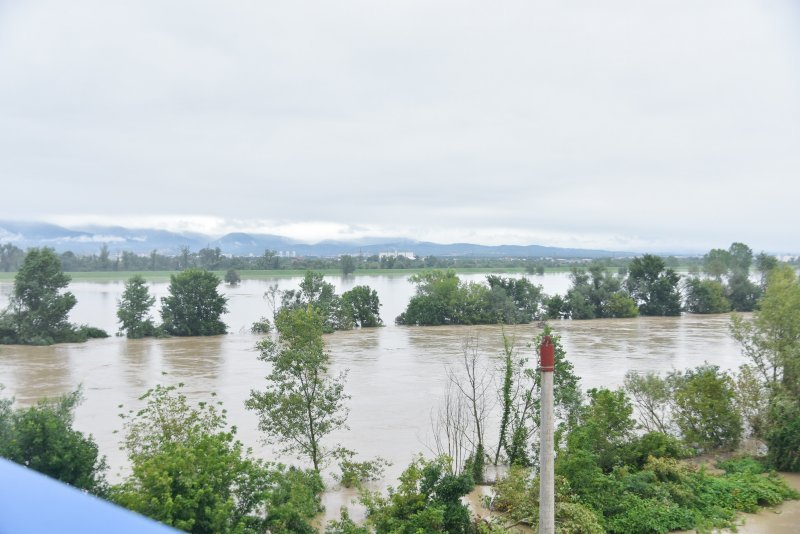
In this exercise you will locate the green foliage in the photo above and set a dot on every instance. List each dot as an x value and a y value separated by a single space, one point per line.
133 310
301 404
232 277
344 525
41 437
783 435
653 445
362 305
665 494
442 298
314 291
515 300
604 430
652 396
354 473
428 499
705 408
772 342
517 496
189 471
653 286
11 257
348 264
706 296
733 265
38 310
596 295
742 293
554 307
194 306
262 326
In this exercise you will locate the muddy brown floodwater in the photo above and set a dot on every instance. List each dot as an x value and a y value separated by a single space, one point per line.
396 374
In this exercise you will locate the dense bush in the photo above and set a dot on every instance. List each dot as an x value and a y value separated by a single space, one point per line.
442 298
41 437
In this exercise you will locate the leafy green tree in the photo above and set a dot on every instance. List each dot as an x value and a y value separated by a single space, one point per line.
706 296
316 292
741 258
428 499
597 294
772 343
348 264
742 293
716 263
555 306
189 471
765 263
194 306
11 257
606 426
652 395
515 300
706 411
301 405
38 310
653 286
232 277
363 306
41 437
772 339
133 311
209 258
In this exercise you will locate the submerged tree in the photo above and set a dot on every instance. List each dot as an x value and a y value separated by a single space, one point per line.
301 405
133 311
653 286
194 306
363 306
38 311
321 295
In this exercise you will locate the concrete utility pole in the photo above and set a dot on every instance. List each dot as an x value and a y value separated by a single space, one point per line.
547 505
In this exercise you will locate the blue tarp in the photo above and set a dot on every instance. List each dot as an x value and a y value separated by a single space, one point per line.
34 503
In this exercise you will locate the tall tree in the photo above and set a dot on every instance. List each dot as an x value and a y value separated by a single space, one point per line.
315 291
302 404
348 264
363 306
38 311
653 286
11 257
133 310
771 340
194 306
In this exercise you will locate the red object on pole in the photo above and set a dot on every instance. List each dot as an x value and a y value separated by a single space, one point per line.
547 355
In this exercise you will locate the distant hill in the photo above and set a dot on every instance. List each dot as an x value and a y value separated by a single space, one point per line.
89 239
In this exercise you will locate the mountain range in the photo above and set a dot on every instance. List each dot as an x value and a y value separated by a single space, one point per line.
89 240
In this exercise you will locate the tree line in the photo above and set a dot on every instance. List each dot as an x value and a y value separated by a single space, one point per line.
646 286
212 259
38 310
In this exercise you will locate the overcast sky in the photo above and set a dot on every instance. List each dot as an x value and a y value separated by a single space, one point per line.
640 125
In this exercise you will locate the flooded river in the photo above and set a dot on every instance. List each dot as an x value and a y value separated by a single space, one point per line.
396 374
